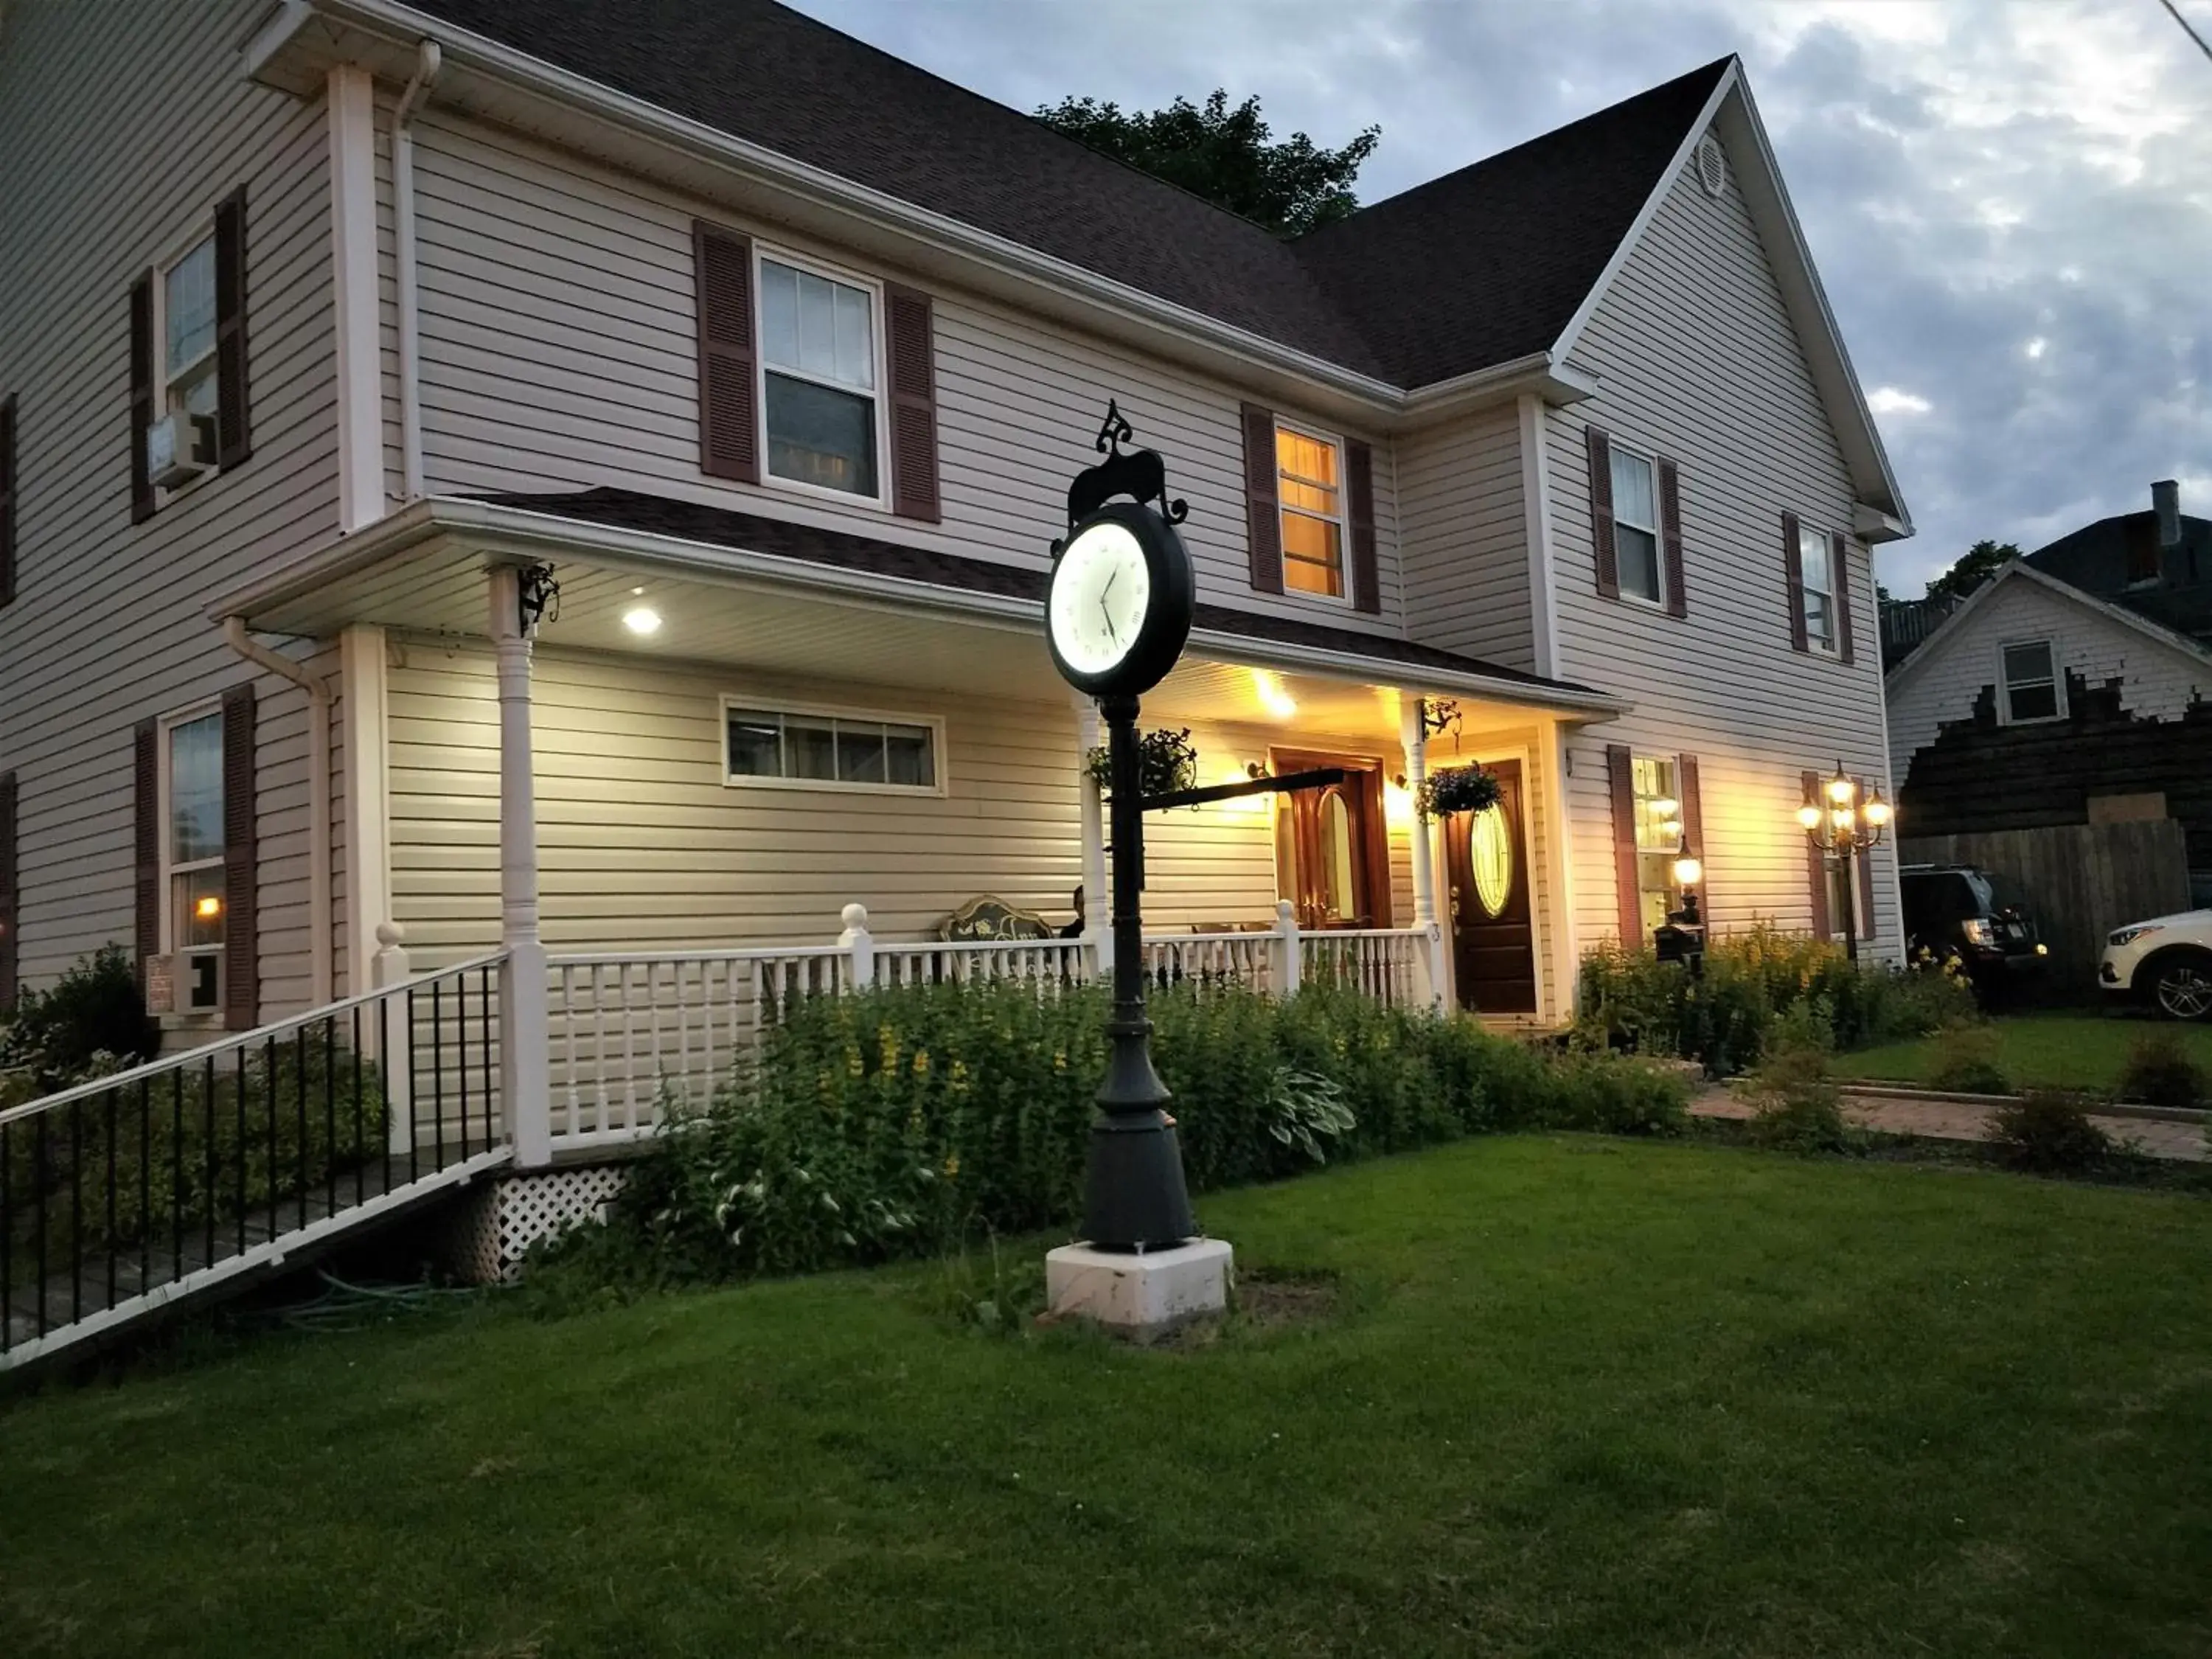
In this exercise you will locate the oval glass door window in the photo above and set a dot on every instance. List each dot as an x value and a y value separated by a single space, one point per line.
1490 856
1336 857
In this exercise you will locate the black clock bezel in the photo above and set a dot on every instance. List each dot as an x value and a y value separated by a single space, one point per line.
1168 615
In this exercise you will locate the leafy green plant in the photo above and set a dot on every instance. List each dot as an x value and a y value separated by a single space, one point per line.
1166 761
1307 1110
95 1008
2048 1132
1797 1106
1456 789
2160 1072
1966 1061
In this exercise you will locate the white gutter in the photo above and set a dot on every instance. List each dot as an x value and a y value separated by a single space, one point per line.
428 61
318 797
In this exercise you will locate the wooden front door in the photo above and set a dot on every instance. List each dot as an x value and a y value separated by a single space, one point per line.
1493 939
1332 860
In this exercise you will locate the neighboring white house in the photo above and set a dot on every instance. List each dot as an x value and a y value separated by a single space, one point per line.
325 326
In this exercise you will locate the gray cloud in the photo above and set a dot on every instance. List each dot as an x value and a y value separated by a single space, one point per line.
2010 204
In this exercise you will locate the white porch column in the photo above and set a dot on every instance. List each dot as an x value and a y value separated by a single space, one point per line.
389 970
1097 908
525 1091
1435 963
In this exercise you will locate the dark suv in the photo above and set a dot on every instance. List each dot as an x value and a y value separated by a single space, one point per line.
1956 910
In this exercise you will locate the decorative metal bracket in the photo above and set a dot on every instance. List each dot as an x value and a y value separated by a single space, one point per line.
1141 475
536 594
1438 716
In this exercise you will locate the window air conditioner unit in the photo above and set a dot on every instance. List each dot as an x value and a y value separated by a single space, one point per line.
170 452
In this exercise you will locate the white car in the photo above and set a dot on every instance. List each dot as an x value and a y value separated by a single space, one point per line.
2166 962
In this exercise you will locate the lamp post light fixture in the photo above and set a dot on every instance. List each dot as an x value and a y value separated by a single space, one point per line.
1846 824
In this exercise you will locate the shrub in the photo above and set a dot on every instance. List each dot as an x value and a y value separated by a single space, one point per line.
2160 1072
2048 1132
1797 1106
1967 1061
905 1120
95 1008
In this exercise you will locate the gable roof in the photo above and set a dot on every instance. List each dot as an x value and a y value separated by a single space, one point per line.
2096 558
2020 570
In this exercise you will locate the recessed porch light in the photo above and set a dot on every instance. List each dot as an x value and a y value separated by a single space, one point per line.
1275 696
641 620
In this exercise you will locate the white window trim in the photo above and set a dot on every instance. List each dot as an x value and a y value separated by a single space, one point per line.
880 395
1833 645
203 231
170 870
2005 716
1658 537
1342 519
833 711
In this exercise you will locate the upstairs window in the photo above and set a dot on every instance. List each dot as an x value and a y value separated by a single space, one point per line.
819 379
1636 527
1310 490
1819 578
2030 681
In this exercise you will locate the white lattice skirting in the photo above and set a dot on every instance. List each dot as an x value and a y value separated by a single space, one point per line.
502 1220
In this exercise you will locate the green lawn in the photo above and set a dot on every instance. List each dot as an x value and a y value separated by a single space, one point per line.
1584 1397
2047 1051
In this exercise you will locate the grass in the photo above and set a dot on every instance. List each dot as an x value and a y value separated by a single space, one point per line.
1580 1397
2036 1051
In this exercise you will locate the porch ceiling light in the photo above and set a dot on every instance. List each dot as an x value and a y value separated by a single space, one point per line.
641 620
1273 695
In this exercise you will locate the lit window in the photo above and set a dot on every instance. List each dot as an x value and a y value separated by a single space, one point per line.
1635 526
193 852
1309 474
830 749
818 369
2031 682
1819 579
185 331
1658 835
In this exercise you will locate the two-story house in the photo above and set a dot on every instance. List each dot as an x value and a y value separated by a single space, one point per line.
505 467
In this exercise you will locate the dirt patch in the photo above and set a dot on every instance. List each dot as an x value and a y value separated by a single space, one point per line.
1267 1299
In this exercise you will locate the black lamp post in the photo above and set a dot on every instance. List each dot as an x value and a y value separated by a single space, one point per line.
1846 824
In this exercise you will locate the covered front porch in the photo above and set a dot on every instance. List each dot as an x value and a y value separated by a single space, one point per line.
705 778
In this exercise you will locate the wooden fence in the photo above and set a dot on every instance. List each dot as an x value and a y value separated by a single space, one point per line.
2079 881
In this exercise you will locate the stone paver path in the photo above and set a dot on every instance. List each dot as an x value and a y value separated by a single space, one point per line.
1953 1120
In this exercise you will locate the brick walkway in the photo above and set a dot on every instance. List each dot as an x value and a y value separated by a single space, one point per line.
1949 1120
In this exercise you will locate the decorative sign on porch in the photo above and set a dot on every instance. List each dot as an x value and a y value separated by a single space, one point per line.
1117 614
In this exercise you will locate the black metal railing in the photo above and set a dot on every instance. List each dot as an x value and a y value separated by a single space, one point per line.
127 1189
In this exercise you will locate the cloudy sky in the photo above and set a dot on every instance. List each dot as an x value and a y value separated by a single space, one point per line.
2010 204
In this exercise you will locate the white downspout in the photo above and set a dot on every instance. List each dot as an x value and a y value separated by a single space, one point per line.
319 798
403 223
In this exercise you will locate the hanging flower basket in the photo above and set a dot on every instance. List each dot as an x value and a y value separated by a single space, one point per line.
1166 761
1462 789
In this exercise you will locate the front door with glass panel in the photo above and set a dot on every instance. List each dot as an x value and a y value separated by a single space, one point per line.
1331 857
1493 939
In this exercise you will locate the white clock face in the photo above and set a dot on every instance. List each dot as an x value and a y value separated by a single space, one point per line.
1101 590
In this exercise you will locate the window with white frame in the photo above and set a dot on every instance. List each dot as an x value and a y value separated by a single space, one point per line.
1819 579
2030 681
818 378
1309 492
185 339
787 747
1635 526
191 853
1658 835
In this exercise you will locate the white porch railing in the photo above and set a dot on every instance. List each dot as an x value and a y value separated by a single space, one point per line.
630 1031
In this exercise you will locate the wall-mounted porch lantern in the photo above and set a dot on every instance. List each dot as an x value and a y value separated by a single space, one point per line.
1846 824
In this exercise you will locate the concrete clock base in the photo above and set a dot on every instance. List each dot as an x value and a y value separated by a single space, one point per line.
1141 1297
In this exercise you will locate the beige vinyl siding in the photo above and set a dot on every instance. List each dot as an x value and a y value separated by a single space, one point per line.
109 627
1465 538
1697 360
640 844
560 353
1941 684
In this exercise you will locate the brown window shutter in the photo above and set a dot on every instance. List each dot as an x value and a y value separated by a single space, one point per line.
141 396
1601 487
911 328
1693 816
1263 522
147 789
729 422
1793 571
1670 537
234 425
8 905
1816 862
1620 767
241 873
1366 571
8 501
1839 571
